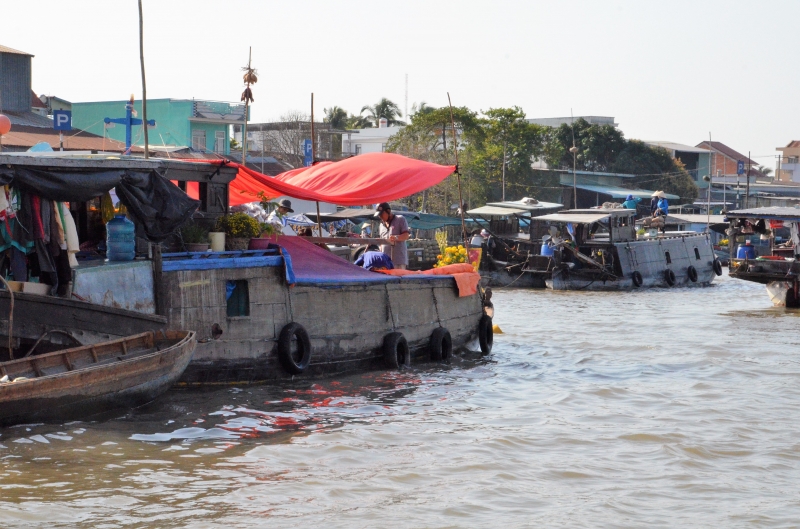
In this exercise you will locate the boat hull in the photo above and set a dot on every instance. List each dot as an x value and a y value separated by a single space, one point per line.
651 259
95 388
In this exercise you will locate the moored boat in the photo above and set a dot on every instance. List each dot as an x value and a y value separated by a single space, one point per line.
764 246
598 249
86 380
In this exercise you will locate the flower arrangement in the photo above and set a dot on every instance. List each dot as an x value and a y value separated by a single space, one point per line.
724 242
452 255
239 225
441 240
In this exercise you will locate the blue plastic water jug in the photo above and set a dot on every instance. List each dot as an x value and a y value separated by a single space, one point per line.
120 239
745 251
546 250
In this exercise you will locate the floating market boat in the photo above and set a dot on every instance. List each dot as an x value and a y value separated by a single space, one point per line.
287 309
81 381
764 246
598 249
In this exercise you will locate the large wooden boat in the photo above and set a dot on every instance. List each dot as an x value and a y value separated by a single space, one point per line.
291 309
87 380
773 259
598 249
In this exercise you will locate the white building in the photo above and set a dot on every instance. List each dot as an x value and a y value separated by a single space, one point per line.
362 141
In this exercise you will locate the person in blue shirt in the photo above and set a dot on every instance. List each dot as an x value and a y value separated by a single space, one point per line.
662 208
631 202
654 203
373 259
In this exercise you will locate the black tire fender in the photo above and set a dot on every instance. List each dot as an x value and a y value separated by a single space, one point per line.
637 279
395 350
485 334
717 266
692 273
295 361
669 277
441 344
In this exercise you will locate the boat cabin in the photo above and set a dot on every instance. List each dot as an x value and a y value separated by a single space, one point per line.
595 226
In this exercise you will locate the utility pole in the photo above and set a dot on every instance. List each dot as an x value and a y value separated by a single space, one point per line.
747 193
504 171
144 85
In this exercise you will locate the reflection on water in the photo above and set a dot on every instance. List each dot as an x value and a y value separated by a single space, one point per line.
638 409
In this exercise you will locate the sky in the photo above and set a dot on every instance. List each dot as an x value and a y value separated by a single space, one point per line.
668 70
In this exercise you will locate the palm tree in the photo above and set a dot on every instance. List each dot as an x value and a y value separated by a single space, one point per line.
420 109
384 109
358 122
336 117
766 171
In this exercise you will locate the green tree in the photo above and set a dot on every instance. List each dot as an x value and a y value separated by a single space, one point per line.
598 146
421 109
383 109
763 169
336 117
655 169
508 145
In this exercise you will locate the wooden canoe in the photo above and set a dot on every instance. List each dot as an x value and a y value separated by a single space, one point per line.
83 381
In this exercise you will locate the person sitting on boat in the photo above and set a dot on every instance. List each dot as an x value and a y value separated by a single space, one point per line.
394 229
366 230
488 240
278 216
631 202
373 259
662 209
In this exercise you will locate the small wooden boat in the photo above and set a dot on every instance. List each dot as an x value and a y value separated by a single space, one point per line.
86 380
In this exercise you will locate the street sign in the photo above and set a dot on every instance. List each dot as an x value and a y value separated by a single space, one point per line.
740 167
62 120
307 153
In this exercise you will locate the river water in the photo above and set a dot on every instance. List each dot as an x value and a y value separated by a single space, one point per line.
655 408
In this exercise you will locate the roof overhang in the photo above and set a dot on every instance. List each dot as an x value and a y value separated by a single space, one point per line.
497 211
576 218
773 213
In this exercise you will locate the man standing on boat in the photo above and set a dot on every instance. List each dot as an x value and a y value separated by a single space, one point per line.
394 229
631 202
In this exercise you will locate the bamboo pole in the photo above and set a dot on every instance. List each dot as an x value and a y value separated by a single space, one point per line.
313 159
144 84
458 176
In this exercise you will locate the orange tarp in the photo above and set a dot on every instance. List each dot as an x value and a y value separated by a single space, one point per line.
365 179
466 277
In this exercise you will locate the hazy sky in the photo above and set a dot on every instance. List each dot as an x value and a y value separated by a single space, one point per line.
669 70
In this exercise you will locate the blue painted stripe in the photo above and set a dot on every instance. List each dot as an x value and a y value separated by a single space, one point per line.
218 264
287 261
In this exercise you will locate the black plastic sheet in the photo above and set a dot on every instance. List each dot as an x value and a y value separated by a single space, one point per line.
154 203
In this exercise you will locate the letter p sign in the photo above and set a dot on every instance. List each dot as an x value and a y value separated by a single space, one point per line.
62 120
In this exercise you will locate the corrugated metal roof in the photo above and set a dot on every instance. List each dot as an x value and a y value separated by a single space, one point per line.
6 49
698 219
621 192
27 136
777 213
28 119
495 210
519 204
672 146
577 218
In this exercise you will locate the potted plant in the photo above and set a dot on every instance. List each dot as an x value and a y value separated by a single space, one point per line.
195 237
239 228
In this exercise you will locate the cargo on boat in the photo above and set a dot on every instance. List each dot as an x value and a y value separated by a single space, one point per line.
83 381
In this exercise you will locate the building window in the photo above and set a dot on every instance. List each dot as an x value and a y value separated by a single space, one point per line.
199 140
238 296
358 148
219 141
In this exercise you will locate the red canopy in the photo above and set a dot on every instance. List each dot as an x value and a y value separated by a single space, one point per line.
365 179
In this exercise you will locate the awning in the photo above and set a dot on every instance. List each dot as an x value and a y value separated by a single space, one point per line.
428 221
495 210
364 179
621 192
773 213
698 219
575 218
349 213
521 204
